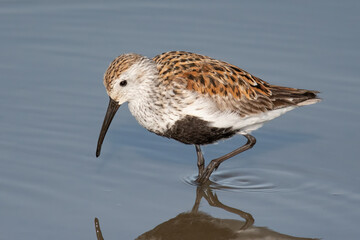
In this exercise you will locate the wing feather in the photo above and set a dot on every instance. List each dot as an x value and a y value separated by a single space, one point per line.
228 85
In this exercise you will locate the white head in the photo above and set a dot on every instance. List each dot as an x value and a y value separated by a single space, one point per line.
128 77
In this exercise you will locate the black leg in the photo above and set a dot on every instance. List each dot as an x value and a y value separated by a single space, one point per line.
200 160
214 164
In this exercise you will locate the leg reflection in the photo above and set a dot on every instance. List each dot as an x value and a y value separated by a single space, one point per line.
212 199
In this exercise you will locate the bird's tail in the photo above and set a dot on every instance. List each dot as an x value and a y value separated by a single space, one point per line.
284 96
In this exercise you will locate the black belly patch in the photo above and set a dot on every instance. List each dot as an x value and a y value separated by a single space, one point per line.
192 130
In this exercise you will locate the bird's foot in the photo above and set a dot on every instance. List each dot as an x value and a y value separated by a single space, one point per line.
204 176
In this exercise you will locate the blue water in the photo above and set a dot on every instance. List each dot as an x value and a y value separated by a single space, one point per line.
301 178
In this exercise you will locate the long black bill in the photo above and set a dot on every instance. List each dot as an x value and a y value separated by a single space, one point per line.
110 113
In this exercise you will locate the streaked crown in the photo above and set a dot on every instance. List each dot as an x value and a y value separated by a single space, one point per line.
118 66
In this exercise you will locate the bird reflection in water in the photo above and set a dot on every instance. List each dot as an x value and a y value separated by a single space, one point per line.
198 225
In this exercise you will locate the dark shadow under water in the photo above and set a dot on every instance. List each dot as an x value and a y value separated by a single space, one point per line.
198 225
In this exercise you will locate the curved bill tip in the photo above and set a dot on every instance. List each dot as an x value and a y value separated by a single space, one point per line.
110 113
98 150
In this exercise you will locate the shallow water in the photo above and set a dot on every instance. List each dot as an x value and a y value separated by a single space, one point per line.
301 179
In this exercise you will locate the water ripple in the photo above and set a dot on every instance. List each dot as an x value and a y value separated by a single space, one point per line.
248 179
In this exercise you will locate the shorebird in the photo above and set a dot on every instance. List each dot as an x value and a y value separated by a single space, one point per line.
195 99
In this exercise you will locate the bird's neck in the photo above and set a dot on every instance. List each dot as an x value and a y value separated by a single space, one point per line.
148 109
147 103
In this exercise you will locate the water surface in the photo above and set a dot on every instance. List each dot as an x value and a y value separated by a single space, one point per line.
301 179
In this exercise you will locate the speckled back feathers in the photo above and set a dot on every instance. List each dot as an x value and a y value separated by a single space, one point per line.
230 86
209 76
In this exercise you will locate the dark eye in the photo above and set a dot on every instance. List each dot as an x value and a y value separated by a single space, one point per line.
123 83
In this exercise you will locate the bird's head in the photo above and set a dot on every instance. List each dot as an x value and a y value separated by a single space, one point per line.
123 76
125 80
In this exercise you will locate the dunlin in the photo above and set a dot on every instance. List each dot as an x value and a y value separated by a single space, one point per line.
195 99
